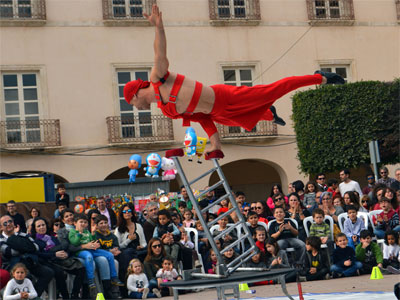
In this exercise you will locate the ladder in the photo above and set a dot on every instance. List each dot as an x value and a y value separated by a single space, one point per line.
222 270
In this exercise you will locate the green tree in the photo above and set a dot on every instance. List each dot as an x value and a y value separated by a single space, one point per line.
334 124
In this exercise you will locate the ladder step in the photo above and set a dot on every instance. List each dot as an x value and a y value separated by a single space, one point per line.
211 188
213 222
202 176
214 203
237 259
231 246
224 232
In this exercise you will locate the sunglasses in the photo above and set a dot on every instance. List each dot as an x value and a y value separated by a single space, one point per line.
321 178
127 211
246 210
57 224
259 207
156 246
383 172
364 201
253 208
7 222
370 178
278 199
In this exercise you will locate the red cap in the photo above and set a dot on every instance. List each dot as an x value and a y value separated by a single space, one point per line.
132 87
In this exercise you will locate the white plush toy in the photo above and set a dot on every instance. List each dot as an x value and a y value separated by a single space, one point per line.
168 167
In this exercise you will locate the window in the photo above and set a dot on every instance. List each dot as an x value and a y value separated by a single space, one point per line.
239 77
234 12
134 123
22 11
342 70
21 107
398 10
125 12
334 12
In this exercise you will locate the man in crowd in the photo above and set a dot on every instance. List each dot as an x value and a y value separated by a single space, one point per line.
321 185
108 212
385 179
19 220
348 185
396 184
371 183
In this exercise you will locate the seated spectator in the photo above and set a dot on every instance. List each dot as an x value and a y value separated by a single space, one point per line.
55 225
167 273
387 220
230 254
188 218
153 261
316 262
298 213
107 239
224 206
203 245
391 251
344 259
328 208
18 219
229 237
131 239
279 200
176 219
285 233
298 186
365 204
333 187
34 212
338 201
276 258
309 195
19 287
276 189
60 207
187 243
92 215
181 207
4 275
137 282
260 238
61 196
211 264
377 194
351 199
18 247
368 253
56 257
321 229
370 183
108 212
263 211
352 226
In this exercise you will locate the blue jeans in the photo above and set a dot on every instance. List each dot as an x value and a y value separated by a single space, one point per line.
351 243
153 284
347 271
137 295
89 255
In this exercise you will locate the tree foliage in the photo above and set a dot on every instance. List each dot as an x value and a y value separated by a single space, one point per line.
334 124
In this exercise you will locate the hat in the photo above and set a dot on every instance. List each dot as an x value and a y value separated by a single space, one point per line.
132 87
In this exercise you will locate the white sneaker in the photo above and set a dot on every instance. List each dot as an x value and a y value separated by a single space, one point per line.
145 293
157 292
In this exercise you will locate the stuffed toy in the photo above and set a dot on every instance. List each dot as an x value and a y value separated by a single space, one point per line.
153 161
168 167
190 143
135 161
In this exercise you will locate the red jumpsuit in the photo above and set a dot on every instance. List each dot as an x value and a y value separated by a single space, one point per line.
234 105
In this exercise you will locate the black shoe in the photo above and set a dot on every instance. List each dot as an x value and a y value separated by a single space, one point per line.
277 120
117 282
332 78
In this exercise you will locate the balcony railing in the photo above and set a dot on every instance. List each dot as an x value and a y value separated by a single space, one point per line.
234 12
150 129
330 12
30 134
22 12
126 12
263 129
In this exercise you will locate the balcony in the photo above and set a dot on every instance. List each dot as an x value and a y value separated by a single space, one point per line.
234 12
30 134
138 129
262 130
22 12
126 12
330 12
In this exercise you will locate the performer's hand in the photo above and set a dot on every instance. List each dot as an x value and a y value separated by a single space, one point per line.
155 18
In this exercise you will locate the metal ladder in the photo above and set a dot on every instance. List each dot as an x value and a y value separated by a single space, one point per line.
223 269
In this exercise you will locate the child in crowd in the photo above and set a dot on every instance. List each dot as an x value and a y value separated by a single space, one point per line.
107 239
60 207
182 206
19 287
256 261
285 233
224 206
137 282
230 254
61 197
166 228
365 204
203 241
333 187
176 219
344 259
252 219
261 236
368 252
167 272
321 229
387 220
391 251
352 226
316 262
212 262
80 235
188 218
187 243
229 237
309 195
274 256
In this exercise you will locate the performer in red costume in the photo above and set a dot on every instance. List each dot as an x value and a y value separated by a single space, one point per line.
180 97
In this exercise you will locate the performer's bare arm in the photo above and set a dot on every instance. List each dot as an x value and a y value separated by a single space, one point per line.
161 63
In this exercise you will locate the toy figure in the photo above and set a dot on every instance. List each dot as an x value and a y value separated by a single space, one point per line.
153 161
190 142
135 161
200 148
164 202
168 167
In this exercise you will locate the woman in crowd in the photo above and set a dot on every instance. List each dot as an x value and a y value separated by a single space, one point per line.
34 212
57 258
276 189
92 214
55 225
328 208
153 261
351 198
298 213
263 211
131 239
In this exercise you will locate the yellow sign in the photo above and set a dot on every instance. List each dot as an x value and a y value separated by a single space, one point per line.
22 190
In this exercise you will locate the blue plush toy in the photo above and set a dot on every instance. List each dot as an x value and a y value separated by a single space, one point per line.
135 161
190 142
153 161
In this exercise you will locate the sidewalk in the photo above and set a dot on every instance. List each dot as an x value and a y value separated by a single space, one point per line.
351 284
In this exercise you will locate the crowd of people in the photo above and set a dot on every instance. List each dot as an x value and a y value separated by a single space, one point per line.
131 253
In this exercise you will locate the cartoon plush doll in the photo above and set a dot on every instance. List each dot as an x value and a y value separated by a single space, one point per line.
135 161
190 142
200 147
165 203
153 161
168 167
